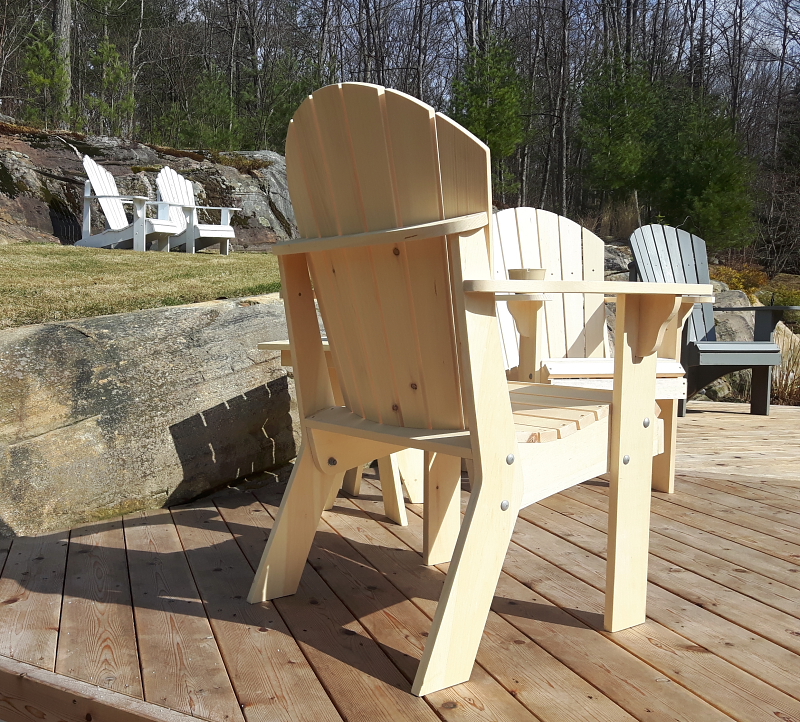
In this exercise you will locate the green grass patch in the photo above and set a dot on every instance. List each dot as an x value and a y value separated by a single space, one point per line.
46 282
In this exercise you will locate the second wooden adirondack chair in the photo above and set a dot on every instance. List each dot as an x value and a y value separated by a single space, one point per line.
663 254
394 203
183 211
572 346
120 232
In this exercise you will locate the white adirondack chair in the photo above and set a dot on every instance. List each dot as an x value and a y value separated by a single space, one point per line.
569 344
179 193
120 233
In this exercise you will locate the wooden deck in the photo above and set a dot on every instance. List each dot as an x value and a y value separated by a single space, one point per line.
145 618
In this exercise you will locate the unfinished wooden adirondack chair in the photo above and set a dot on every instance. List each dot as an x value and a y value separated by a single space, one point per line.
120 233
569 345
663 254
394 204
179 193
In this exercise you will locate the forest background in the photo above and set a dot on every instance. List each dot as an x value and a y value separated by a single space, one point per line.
612 112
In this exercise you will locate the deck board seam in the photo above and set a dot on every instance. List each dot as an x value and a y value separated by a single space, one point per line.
208 619
311 665
675 631
413 510
742 542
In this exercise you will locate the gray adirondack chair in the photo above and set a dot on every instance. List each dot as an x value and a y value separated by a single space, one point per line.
672 255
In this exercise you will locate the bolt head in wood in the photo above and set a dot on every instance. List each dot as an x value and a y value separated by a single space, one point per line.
510 459
504 505
646 423
332 462
626 459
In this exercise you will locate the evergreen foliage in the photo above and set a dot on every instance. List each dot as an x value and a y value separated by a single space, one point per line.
47 79
618 107
113 103
698 176
487 101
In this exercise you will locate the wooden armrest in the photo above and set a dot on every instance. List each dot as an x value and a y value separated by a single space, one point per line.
125 198
503 289
434 229
757 308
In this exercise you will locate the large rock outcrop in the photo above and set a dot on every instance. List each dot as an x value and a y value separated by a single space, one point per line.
111 414
42 179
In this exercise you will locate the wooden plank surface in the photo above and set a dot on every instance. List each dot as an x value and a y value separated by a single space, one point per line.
720 641
183 668
97 640
272 678
30 598
31 694
566 639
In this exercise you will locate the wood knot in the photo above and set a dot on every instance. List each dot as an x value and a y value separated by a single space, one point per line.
396 251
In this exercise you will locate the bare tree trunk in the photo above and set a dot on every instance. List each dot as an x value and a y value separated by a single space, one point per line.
62 29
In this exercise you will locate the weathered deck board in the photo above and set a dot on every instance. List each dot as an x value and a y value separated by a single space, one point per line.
165 591
764 447
182 665
30 599
97 639
272 678
568 640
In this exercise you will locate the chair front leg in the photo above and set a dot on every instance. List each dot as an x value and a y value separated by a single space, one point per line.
290 540
631 465
471 582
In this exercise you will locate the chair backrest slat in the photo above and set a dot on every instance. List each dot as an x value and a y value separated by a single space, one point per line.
173 187
103 184
676 255
594 303
530 238
639 246
571 243
363 158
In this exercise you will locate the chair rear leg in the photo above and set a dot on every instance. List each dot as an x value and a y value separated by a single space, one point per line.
468 590
442 520
761 390
352 481
225 247
411 463
664 464
334 492
289 543
393 503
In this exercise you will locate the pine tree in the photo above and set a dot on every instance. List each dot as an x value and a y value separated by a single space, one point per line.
487 101
698 177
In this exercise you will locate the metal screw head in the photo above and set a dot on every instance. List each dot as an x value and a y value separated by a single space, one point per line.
332 462
626 459
646 423
504 505
510 459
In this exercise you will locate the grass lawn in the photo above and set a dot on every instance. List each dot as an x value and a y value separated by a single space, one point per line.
45 282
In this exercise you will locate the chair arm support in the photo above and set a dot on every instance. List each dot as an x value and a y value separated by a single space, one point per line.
128 199
615 288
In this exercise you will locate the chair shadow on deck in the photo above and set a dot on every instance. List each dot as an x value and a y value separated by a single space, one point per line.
239 552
